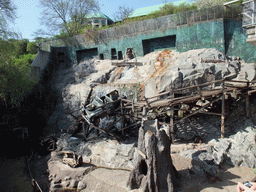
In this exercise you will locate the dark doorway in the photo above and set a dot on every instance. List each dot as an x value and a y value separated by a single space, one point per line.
86 54
120 55
160 43
61 57
113 54
101 56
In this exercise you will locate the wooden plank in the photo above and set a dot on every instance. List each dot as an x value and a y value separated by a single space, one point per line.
211 113
250 92
198 111
200 85
185 88
123 64
147 102
95 127
237 81
213 61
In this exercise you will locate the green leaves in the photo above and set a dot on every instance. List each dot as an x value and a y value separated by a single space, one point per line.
15 66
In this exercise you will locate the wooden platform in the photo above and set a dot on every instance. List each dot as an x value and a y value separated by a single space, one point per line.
190 96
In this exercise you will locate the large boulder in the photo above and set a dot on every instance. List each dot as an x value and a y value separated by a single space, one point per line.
101 152
183 69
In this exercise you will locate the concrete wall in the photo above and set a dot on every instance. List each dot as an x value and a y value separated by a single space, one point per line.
41 59
235 41
227 36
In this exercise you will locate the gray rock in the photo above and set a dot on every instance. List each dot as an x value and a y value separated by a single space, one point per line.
81 185
191 154
67 178
222 146
73 183
249 160
56 181
65 184
205 156
234 159
218 158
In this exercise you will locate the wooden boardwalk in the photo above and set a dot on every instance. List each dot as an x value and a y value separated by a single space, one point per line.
190 96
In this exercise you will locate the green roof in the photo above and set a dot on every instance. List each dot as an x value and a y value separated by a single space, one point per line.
98 15
148 10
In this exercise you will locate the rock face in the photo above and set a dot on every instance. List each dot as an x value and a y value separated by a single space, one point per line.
63 176
237 150
160 71
101 152
183 69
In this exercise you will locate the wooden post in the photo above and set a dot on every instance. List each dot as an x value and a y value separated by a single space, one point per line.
247 102
122 113
213 79
172 125
198 88
223 112
171 128
147 102
85 131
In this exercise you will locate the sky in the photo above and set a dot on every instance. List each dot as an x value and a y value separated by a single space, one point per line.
28 12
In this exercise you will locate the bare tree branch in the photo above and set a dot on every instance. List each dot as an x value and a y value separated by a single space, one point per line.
7 14
123 13
66 16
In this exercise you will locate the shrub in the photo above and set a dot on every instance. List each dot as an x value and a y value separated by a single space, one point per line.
32 48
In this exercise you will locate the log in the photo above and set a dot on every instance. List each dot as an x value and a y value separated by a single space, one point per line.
154 170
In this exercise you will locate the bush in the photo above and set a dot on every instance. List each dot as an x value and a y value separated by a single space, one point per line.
32 48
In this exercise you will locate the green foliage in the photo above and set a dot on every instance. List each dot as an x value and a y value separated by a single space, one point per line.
32 48
14 69
21 47
24 60
167 9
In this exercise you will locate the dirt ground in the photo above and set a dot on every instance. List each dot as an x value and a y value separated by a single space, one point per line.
13 177
105 180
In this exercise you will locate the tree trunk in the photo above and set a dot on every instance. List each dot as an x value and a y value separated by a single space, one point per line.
154 170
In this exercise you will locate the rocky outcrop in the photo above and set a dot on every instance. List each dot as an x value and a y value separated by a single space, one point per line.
101 152
237 150
160 72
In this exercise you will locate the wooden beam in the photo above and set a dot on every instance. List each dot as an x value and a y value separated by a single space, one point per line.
247 102
95 127
223 113
147 102
211 113
231 2
198 111
123 64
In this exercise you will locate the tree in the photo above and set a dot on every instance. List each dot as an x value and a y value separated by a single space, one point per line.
14 68
66 16
7 14
123 13
32 48
154 170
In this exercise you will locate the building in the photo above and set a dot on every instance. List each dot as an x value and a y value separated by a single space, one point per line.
249 20
98 20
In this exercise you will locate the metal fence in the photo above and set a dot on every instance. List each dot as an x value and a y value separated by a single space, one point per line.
249 15
169 21
150 25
